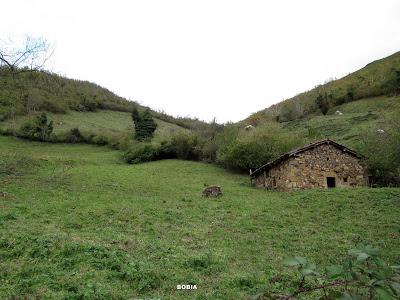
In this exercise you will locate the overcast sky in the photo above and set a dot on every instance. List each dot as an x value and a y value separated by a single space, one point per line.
208 58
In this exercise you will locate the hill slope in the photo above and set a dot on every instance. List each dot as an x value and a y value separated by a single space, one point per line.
94 110
381 77
356 119
27 92
104 124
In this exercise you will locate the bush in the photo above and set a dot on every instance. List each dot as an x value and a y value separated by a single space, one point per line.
381 150
98 140
39 128
185 147
122 141
253 149
209 151
362 275
74 136
143 153
392 84
322 103
181 147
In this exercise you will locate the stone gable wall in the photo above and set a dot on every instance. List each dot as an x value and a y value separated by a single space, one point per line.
310 169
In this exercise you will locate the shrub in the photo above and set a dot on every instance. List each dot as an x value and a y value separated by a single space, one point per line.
143 153
209 151
362 275
381 150
89 104
322 103
122 141
185 147
392 84
253 149
39 128
74 136
181 146
98 140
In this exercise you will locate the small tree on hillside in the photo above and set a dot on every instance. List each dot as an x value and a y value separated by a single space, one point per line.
144 124
322 103
135 115
40 129
350 94
392 84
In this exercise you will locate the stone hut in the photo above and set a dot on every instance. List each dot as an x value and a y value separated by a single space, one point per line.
322 164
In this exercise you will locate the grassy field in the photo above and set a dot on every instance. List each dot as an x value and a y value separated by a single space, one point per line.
106 123
77 223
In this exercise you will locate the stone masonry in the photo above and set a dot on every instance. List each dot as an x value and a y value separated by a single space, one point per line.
327 164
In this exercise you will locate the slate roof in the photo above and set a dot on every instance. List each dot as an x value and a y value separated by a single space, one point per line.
294 152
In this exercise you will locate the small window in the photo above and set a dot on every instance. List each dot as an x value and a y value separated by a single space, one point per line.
327 158
345 179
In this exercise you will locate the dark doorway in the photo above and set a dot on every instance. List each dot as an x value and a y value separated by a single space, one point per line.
331 182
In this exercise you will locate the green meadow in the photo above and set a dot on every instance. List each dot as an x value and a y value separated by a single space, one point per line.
78 223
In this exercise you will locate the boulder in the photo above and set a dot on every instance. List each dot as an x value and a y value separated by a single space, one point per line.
212 191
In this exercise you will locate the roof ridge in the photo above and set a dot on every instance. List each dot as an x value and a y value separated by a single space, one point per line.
301 149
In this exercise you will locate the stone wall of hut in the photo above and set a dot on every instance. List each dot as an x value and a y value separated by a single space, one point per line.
311 168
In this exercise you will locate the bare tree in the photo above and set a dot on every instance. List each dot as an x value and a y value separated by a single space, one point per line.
30 55
19 56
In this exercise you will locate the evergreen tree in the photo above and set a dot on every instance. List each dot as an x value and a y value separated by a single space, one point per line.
135 116
144 124
148 123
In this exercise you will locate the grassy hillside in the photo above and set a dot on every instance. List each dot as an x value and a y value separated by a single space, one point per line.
101 116
381 77
358 118
23 93
76 226
106 123
29 92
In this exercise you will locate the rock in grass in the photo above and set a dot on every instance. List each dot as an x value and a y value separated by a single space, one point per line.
212 191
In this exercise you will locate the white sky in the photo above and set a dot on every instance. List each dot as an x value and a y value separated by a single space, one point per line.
208 58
